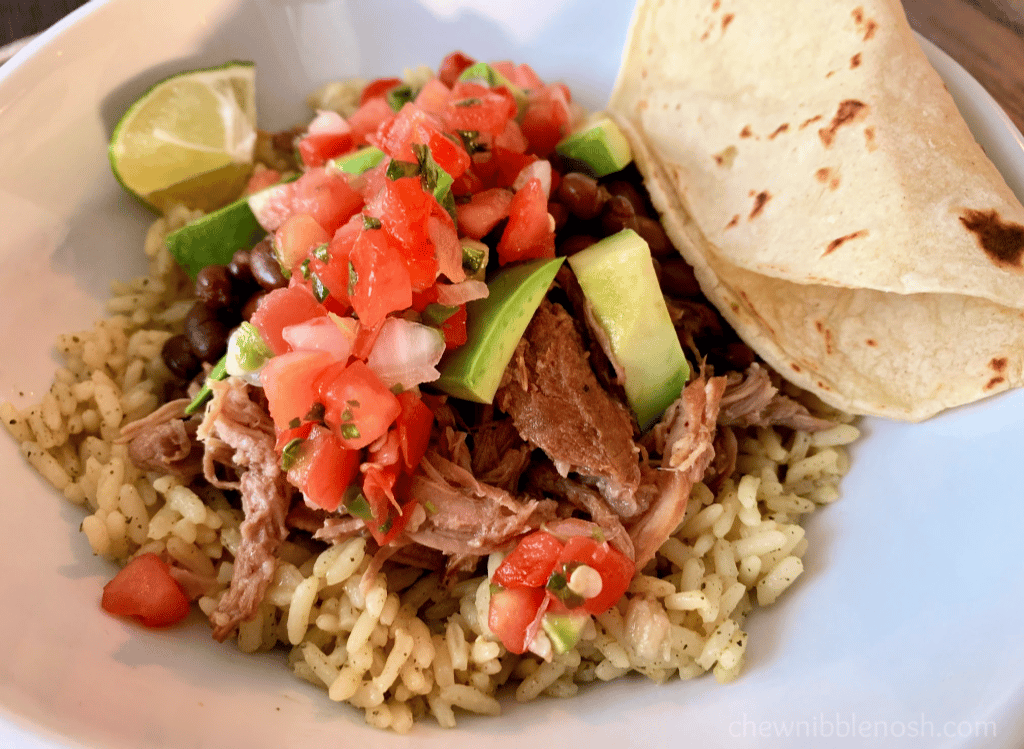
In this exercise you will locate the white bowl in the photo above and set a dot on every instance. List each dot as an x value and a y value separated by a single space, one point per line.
901 632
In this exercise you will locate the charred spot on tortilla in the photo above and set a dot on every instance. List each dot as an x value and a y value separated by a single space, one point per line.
759 200
726 20
871 342
796 367
848 111
725 156
993 382
746 132
839 241
869 138
867 26
855 61
779 130
998 363
825 175
733 221
1002 241
810 121
827 333
716 5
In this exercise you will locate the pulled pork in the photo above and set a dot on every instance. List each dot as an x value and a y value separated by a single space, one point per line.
752 400
234 420
164 442
557 404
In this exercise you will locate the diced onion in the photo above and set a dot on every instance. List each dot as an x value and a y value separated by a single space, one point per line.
327 122
452 295
406 353
541 170
328 334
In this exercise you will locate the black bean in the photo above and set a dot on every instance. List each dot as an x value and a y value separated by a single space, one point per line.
677 278
209 339
629 191
655 236
179 358
265 267
618 214
199 313
250 306
214 287
559 213
239 267
575 243
581 195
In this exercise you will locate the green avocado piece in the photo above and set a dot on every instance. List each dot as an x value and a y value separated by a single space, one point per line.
494 326
564 630
213 239
600 147
357 162
618 279
483 73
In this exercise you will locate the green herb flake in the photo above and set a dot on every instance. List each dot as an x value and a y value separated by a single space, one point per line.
471 141
370 222
295 423
353 279
316 413
558 584
430 507
290 453
304 268
219 372
320 291
435 314
386 526
436 180
350 432
354 403
472 258
398 169
346 415
473 101
356 503
321 253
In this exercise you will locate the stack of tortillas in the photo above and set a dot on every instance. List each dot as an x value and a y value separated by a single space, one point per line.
809 163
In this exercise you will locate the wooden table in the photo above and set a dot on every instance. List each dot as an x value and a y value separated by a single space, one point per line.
976 33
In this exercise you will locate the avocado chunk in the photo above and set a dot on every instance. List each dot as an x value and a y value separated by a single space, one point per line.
599 147
494 327
618 279
357 162
213 239
564 630
483 73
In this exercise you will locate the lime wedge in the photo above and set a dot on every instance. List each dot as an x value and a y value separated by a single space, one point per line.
189 139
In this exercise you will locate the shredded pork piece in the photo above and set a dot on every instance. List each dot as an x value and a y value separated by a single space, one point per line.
163 442
684 436
752 400
557 405
233 418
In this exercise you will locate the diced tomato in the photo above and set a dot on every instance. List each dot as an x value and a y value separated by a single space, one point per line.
394 525
262 179
403 209
316 149
289 384
281 308
531 562
615 568
512 138
297 237
378 87
447 248
484 211
467 184
146 590
366 337
335 335
420 299
454 329
433 97
525 77
513 615
368 118
381 283
327 197
413 424
546 120
476 107
378 483
300 432
413 125
528 234
509 164
358 407
452 66
325 469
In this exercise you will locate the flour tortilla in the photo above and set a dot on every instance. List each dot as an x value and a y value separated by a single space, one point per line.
811 166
